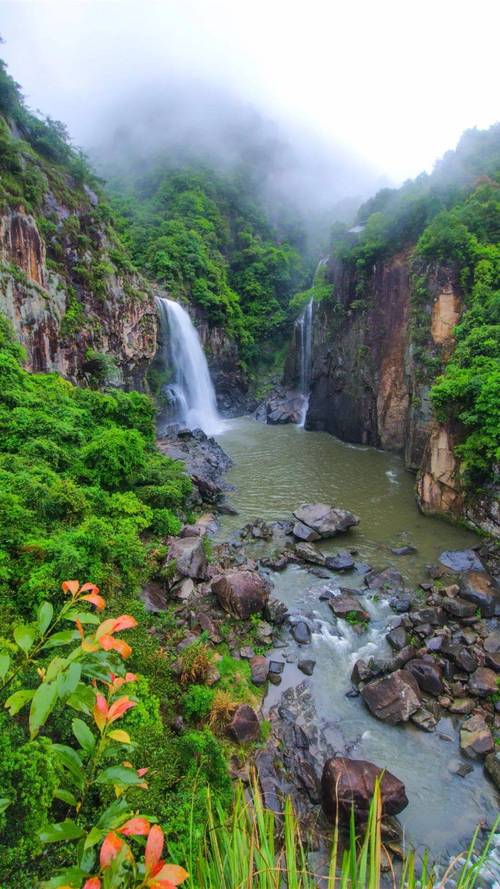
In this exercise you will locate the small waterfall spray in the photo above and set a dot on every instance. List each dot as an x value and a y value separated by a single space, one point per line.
304 330
191 390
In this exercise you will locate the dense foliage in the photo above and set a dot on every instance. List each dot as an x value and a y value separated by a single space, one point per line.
205 237
450 218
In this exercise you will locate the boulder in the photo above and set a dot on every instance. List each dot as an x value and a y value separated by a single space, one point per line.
341 561
403 550
308 553
460 655
476 739
307 667
459 607
259 666
303 532
345 605
492 768
301 632
424 719
392 698
483 682
480 588
347 783
397 638
244 725
241 593
189 556
326 520
461 560
388 579
428 675
462 706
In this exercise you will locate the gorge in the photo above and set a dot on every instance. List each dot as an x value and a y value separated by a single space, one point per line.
239 451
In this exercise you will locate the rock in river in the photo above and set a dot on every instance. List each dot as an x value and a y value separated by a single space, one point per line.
326 520
476 739
480 588
305 533
301 632
392 698
428 675
351 782
341 561
345 605
241 593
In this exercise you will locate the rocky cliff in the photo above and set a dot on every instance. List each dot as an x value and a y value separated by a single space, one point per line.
376 350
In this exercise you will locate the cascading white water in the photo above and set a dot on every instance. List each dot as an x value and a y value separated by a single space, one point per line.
304 331
191 388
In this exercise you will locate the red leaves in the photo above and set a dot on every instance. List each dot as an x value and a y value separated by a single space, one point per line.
96 600
104 635
109 849
100 712
135 827
154 848
71 587
109 642
92 592
104 714
93 883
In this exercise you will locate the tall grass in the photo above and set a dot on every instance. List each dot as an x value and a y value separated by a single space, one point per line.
255 849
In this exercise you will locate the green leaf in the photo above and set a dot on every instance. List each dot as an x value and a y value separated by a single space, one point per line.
4 664
68 681
64 830
44 617
72 762
15 702
118 775
85 617
94 837
65 796
42 704
61 638
4 804
83 735
72 876
82 699
54 668
115 810
24 635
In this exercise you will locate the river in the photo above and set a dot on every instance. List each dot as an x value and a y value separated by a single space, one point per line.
274 470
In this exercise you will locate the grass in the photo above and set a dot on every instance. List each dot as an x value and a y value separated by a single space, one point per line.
258 849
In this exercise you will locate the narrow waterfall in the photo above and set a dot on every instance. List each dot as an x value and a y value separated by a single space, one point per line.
304 335
190 391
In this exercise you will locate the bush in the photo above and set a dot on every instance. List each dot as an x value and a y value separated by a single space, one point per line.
197 702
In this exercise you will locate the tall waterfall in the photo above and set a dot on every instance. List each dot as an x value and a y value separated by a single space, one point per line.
191 390
304 336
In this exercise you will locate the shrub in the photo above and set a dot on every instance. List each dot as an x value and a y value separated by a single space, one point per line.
197 702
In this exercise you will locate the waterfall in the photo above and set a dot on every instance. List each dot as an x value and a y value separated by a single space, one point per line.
190 391
304 332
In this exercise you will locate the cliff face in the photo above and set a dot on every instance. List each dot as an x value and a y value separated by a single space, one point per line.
62 319
374 357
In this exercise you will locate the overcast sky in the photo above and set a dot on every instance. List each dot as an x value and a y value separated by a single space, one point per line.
394 81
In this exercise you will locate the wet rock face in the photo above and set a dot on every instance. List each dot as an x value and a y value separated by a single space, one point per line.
241 593
351 782
325 520
392 698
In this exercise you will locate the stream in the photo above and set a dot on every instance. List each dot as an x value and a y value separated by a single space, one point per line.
275 468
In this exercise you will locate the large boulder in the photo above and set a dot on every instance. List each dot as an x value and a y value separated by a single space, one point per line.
347 606
189 556
459 560
305 533
483 682
308 553
428 675
388 580
244 725
476 739
241 593
392 698
347 783
480 588
326 520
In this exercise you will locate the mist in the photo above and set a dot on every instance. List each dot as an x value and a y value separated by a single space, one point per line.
328 101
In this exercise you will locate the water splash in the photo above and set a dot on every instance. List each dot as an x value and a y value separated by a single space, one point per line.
191 390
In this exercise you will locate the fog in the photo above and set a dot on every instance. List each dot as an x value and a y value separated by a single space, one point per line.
336 98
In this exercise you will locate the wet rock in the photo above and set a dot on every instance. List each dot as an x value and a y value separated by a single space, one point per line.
276 667
389 580
275 678
307 667
247 652
492 768
341 561
244 725
308 553
154 596
476 739
346 605
307 778
435 617
403 550
427 674
483 682
463 706
189 556
259 666
207 624
397 638
264 632
392 698
284 408
348 783
492 642
301 632
275 611
460 655
459 607
401 603
458 767
326 520
424 720
480 588
461 560
303 532
241 593
184 590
